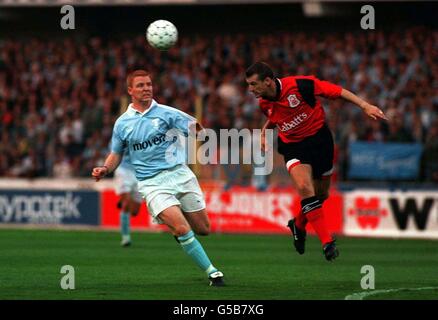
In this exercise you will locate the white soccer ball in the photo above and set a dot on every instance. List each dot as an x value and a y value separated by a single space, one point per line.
162 34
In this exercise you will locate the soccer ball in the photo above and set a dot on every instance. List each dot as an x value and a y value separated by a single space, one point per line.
162 34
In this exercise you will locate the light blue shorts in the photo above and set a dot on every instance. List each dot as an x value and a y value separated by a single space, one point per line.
172 187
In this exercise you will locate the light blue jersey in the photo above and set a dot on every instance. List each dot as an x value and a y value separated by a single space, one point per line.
152 138
126 161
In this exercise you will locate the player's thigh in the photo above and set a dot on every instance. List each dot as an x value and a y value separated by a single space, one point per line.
175 220
199 221
192 201
298 162
322 187
301 176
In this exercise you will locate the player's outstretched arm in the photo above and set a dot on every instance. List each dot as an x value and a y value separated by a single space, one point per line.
372 111
111 163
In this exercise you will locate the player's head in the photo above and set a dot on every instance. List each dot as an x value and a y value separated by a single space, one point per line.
140 88
260 79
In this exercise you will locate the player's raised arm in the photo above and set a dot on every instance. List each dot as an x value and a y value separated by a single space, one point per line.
330 90
111 163
372 111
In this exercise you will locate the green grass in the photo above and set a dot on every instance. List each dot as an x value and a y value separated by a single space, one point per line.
255 267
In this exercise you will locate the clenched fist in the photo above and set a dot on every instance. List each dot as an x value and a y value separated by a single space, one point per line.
99 172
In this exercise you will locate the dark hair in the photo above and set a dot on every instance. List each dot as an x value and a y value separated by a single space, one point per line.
262 69
136 73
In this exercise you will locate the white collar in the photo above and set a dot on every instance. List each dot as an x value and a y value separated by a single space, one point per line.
131 111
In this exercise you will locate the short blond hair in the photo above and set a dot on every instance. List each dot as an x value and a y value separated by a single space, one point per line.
134 74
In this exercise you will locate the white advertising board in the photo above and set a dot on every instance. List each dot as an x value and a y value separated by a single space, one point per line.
410 214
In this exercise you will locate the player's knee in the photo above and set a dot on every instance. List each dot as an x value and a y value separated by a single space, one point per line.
180 230
203 230
135 209
304 188
124 206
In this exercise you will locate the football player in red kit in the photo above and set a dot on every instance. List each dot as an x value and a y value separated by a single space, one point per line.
292 105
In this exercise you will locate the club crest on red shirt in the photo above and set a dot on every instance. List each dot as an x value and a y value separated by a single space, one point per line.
293 101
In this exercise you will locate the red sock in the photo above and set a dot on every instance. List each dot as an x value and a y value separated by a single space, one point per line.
316 219
301 221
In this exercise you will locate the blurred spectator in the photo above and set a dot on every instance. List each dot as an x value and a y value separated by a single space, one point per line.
398 133
62 167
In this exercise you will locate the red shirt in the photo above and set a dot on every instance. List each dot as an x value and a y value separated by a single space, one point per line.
297 111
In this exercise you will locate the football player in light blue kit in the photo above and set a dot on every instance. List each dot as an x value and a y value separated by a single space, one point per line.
130 198
172 192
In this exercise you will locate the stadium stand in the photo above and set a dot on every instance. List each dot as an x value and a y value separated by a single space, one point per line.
59 100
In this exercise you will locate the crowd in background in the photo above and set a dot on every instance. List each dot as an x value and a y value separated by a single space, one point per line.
60 98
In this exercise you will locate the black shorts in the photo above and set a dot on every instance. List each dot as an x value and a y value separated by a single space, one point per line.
316 150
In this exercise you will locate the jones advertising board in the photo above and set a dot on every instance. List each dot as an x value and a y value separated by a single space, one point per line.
411 214
238 210
49 207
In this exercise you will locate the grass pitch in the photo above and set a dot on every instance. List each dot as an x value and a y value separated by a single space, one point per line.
255 267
